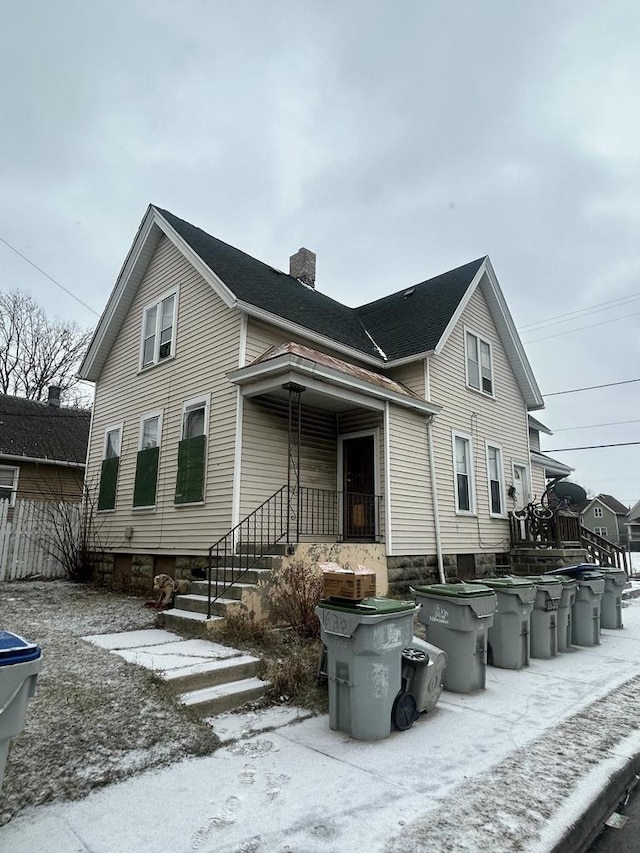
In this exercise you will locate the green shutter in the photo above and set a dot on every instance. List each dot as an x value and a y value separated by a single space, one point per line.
190 479
108 482
144 489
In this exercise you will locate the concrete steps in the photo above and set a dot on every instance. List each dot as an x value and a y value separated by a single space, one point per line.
209 701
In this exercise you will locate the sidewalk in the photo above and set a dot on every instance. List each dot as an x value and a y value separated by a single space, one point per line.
510 768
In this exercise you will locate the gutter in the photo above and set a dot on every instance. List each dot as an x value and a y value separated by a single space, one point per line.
41 461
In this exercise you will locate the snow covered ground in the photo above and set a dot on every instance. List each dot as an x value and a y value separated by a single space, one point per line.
502 770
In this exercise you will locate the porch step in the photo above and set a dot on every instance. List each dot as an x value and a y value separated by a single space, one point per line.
187 622
224 697
227 574
279 549
211 673
235 591
234 561
198 604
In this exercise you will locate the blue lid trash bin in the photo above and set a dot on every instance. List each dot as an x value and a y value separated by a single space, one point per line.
364 644
457 618
509 636
20 663
544 616
615 580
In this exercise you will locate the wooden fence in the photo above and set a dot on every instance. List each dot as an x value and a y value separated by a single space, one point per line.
28 537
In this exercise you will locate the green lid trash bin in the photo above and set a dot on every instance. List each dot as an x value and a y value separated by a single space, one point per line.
20 663
585 626
565 608
615 580
544 616
509 637
457 618
364 663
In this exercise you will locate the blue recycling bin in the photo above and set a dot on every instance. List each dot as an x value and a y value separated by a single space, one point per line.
20 663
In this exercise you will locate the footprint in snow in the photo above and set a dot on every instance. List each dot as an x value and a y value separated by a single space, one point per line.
226 819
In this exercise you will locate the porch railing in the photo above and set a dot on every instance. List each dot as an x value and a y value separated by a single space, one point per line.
290 513
538 526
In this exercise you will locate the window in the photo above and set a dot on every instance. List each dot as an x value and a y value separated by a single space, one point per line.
110 466
192 451
495 477
598 512
463 469
9 483
145 484
158 330
601 531
479 367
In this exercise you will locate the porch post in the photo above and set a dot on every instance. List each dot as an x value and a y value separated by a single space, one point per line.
293 465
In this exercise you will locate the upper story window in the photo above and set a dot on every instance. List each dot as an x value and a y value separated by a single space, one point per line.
463 471
158 330
9 483
598 512
146 480
110 466
479 363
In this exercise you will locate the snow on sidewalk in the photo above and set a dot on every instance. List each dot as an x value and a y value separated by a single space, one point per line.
503 770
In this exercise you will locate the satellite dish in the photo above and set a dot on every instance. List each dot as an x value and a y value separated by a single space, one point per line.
569 493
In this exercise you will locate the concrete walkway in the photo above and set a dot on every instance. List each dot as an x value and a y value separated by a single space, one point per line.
514 767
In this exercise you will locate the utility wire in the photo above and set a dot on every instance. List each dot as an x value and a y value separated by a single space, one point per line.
590 388
46 275
591 447
593 426
558 318
581 328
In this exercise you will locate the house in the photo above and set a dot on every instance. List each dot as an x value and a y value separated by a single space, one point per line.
544 468
605 516
633 527
394 433
43 448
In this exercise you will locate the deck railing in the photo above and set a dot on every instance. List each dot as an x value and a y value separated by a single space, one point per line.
286 516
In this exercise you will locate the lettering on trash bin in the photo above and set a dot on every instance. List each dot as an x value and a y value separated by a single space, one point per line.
334 623
440 614
387 637
380 680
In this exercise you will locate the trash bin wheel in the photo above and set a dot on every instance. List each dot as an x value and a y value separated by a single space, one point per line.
405 711
415 655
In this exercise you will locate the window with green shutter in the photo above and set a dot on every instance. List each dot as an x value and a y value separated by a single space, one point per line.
190 479
144 489
108 483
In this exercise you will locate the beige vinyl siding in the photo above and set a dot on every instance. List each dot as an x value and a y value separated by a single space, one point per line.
410 483
206 348
500 420
534 440
265 450
538 482
411 375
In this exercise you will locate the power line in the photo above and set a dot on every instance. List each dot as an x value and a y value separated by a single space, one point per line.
46 275
591 447
593 426
558 318
582 328
590 387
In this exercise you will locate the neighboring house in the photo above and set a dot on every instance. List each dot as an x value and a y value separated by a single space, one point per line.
401 426
605 516
543 468
633 527
43 449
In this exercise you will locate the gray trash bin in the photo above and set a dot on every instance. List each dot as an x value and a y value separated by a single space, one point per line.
364 653
20 663
423 667
544 616
615 581
569 587
509 637
585 628
457 617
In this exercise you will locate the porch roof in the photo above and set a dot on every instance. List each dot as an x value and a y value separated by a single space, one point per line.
328 382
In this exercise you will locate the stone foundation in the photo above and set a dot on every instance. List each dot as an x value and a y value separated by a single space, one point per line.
405 572
134 573
536 561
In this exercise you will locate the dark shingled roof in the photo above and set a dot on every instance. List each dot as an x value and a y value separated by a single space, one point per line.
41 431
400 325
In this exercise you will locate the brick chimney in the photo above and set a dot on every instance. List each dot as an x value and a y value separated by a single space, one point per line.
54 396
302 266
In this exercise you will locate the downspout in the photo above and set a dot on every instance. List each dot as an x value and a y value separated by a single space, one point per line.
434 499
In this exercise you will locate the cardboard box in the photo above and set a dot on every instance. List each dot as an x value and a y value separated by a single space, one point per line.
348 582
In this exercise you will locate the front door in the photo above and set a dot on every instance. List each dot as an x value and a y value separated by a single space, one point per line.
358 488
522 494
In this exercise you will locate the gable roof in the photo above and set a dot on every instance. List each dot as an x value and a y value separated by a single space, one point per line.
406 325
607 500
39 431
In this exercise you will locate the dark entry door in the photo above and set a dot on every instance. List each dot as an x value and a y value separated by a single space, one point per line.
358 487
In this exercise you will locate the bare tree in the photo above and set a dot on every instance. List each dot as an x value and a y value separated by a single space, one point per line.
35 350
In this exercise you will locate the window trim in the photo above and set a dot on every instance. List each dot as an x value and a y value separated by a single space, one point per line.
110 428
193 403
147 416
480 339
113 428
174 291
14 486
455 434
501 481
598 512
598 532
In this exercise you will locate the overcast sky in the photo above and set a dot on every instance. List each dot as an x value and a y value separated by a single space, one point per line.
395 139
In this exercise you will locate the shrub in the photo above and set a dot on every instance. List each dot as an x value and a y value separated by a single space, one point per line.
292 593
